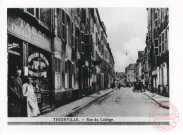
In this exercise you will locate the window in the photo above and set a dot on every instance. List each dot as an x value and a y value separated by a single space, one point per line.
76 40
83 18
163 15
156 42
79 41
156 23
73 42
37 13
87 44
82 42
166 39
63 26
68 31
156 51
72 34
59 23
162 36
45 14
31 11
160 39
57 73
102 34
68 74
78 11
96 39
160 49
66 78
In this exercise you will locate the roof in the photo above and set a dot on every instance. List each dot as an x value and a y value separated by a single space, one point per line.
131 66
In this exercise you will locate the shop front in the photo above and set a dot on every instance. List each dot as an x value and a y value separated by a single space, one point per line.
29 49
39 69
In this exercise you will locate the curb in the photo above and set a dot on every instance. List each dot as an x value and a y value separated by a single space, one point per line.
166 107
77 109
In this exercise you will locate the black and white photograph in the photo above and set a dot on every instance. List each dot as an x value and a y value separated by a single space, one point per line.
87 62
92 64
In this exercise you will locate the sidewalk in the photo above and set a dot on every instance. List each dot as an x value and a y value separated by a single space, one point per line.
70 108
161 100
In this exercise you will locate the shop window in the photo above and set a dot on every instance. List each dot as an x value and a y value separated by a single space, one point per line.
39 70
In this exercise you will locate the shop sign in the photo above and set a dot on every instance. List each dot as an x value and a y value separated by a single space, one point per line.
38 65
13 45
34 55
24 29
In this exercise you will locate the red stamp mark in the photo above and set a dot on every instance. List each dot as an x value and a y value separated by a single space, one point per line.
162 119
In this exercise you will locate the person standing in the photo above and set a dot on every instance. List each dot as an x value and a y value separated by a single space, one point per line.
15 95
119 86
28 92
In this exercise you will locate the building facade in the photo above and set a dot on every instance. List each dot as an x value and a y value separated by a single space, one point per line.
130 74
139 70
157 50
65 51
120 79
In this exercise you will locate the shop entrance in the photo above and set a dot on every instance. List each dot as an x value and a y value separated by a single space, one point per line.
14 55
14 63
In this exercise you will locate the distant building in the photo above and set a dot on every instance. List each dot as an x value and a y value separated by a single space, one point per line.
120 78
130 74
140 75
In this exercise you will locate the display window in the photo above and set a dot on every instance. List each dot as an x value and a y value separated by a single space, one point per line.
39 68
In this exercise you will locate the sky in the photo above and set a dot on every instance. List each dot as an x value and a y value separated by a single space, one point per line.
126 30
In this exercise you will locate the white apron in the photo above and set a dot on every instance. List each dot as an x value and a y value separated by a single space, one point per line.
32 106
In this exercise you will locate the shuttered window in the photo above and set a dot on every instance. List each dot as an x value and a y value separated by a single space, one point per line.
57 73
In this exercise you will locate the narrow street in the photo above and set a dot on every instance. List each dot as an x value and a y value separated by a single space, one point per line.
120 103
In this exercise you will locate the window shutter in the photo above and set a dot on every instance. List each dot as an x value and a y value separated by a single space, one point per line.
66 23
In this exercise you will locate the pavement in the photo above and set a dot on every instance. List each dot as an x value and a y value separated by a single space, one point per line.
70 108
161 100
